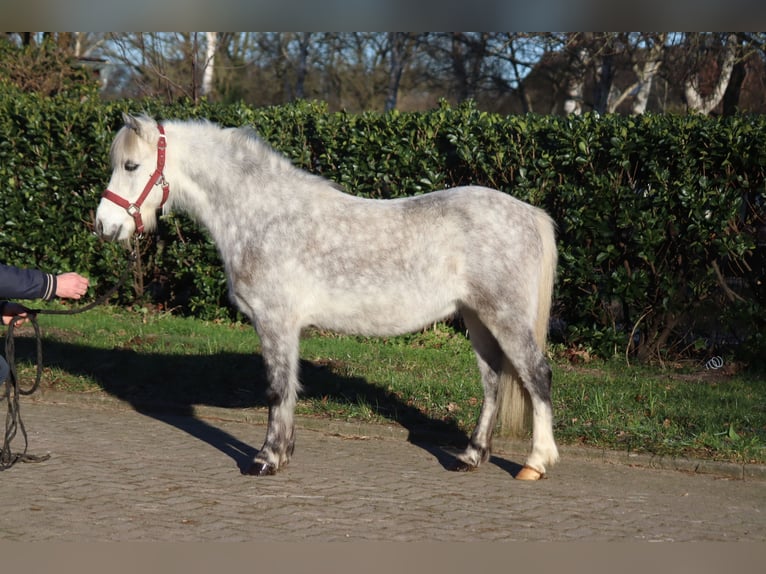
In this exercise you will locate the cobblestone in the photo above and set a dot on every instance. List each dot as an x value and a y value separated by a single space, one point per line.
119 475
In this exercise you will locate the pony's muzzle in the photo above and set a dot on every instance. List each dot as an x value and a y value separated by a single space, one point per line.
107 233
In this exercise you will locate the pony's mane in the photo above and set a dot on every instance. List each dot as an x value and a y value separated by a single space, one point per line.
126 143
248 137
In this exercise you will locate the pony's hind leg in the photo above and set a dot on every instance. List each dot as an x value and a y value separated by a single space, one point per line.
280 353
544 452
490 359
535 374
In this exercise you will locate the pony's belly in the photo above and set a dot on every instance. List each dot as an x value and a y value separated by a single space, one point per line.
377 319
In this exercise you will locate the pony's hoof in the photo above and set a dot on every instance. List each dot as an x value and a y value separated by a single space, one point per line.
461 466
261 469
529 473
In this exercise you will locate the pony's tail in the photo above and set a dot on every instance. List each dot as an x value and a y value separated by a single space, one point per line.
515 409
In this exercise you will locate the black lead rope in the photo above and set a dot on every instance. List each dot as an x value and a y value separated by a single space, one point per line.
13 390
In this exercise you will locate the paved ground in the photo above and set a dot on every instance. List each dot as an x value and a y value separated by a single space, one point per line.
118 475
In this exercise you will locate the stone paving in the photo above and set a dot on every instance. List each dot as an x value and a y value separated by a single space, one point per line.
116 474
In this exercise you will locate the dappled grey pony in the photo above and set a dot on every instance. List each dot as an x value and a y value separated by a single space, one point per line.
298 251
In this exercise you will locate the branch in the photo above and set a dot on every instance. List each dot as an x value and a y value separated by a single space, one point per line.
730 294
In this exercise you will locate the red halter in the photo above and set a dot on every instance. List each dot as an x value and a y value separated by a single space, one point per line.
157 178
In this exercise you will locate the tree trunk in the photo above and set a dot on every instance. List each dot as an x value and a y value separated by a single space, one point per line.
458 66
396 43
645 81
207 76
646 73
304 42
604 84
705 104
575 87
733 90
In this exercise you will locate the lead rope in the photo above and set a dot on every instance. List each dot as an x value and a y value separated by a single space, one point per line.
13 390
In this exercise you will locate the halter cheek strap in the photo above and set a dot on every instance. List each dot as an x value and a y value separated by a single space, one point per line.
157 178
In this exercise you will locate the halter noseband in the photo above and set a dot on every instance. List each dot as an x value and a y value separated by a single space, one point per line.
157 178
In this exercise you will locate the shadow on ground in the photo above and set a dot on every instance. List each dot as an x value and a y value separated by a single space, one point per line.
168 386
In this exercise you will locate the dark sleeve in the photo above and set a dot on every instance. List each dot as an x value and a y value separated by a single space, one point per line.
17 283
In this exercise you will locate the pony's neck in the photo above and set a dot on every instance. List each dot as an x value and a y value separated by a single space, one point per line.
217 175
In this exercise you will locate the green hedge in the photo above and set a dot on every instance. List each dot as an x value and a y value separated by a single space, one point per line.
651 210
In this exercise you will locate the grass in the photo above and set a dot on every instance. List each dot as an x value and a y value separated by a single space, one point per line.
669 412
426 380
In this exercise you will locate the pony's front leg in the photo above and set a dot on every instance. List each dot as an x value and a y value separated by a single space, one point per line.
490 359
280 353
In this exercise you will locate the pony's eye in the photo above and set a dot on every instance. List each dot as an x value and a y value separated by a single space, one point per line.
130 166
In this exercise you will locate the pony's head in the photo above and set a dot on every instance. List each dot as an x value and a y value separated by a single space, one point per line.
137 188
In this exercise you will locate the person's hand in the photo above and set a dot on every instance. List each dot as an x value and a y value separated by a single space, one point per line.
71 285
10 310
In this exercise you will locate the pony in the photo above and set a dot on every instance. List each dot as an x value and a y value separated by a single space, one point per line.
299 251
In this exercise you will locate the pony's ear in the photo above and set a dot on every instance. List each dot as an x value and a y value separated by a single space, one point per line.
142 125
130 122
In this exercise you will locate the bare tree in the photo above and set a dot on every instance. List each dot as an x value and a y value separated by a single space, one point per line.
579 49
209 66
637 53
521 52
302 64
507 72
400 47
161 64
604 59
750 66
647 69
705 104
602 71
49 62
281 64
455 63
468 53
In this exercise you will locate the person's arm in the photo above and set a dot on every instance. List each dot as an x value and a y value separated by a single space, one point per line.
18 283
